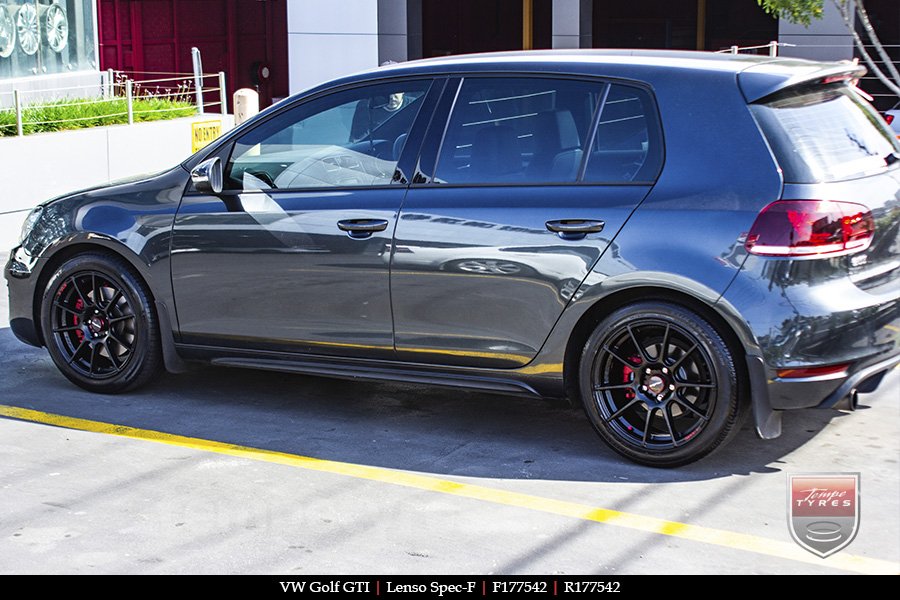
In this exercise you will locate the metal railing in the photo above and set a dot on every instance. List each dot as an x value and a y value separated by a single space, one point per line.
771 46
120 91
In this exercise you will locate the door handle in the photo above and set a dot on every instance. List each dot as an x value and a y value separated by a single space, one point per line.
362 228
575 228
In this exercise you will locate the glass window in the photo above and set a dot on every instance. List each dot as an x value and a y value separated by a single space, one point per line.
825 133
349 138
46 36
627 146
517 130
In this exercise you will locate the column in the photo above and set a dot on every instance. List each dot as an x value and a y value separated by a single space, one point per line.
572 23
399 30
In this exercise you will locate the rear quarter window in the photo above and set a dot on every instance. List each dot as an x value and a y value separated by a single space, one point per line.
825 133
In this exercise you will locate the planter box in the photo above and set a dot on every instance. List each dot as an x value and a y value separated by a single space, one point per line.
37 167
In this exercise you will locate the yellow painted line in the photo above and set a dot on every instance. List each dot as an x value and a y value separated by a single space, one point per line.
541 369
685 531
892 327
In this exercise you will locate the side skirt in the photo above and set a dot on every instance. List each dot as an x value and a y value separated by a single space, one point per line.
356 369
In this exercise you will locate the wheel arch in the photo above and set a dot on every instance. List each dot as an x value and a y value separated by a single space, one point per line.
95 244
724 324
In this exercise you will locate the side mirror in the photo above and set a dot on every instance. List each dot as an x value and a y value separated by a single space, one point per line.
207 176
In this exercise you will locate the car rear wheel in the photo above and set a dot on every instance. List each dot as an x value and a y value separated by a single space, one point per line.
99 324
660 385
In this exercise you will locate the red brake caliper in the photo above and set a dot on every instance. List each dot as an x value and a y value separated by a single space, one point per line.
79 305
627 375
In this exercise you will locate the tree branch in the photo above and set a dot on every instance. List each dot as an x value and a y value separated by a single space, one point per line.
861 46
870 32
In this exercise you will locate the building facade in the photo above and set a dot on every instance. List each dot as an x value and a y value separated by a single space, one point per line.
280 47
47 43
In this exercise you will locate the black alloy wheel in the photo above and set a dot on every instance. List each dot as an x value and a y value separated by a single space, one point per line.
99 324
660 385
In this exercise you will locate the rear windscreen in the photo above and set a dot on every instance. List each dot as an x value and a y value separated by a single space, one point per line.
825 133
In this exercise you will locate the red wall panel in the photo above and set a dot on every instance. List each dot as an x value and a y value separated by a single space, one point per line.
235 36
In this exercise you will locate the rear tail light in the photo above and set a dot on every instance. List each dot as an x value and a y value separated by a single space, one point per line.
889 119
810 228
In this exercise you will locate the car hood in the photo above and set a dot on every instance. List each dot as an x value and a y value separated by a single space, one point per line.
102 186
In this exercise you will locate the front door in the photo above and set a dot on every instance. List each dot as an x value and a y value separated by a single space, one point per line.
534 178
294 254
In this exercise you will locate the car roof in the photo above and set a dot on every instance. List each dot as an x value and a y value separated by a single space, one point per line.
759 75
588 57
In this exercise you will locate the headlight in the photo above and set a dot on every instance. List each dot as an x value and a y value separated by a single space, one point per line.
29 223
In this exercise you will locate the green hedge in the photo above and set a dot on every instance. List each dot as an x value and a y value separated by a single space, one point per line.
71 113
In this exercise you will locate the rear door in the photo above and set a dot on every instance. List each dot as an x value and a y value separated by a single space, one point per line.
517 195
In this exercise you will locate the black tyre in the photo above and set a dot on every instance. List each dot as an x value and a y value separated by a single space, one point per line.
660 385
99 324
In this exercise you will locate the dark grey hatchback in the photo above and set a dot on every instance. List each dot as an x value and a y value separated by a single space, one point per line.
674 239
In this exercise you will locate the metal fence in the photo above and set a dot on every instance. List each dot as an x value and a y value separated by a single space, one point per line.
117 90
771 48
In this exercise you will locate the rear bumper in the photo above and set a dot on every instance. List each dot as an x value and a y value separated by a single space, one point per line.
865 380
801 320
827 392
21 279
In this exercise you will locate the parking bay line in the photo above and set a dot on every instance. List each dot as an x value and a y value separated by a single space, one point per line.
695 533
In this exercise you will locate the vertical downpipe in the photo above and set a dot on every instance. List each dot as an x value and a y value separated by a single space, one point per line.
129 100
223 97
198 78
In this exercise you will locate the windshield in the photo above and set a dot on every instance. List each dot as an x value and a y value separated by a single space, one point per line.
825 133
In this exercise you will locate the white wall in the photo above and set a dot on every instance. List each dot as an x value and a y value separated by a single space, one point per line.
37 167
330 38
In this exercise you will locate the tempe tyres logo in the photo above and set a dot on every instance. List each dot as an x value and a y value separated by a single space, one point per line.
823 510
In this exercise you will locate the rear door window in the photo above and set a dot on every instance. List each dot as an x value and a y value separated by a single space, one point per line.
825 133
518 130
627 146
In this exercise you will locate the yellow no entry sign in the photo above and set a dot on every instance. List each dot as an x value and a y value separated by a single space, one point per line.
204 132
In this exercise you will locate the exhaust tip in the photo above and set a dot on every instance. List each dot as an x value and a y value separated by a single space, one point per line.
850 402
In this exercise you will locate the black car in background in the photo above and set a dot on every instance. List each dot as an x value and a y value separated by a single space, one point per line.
672 239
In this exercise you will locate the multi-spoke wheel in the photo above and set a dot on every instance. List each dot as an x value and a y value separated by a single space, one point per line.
7 32
28 29
659 384
56 27
99 324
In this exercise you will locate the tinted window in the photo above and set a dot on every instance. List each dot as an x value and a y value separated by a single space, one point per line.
627 146
517 130
349 138
826 133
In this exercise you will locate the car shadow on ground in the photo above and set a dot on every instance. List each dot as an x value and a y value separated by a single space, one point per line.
442 431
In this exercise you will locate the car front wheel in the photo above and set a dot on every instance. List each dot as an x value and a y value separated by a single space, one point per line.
99 324
660 385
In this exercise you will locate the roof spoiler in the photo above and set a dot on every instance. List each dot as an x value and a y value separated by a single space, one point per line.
762 80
